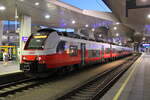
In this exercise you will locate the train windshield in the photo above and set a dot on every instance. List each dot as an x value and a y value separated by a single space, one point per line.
36 42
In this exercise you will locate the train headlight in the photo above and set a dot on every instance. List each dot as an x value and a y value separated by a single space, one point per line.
38 58
24 58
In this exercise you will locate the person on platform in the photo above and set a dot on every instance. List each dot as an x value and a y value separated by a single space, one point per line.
5 57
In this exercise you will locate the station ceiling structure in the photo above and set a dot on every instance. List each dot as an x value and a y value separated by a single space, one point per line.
134 13
53 13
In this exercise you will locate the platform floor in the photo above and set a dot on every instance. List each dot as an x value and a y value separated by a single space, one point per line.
135 83
9 67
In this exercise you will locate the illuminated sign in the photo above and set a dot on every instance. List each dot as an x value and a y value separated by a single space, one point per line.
146 45
24 38
44 36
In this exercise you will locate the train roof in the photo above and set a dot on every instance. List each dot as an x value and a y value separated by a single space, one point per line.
71 35
46 30
66 34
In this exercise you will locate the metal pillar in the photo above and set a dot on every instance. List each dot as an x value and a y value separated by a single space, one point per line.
25 31
1 31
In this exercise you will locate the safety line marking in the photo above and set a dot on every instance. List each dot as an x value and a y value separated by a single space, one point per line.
116 97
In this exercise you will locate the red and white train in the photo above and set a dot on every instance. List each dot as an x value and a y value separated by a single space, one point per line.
49 50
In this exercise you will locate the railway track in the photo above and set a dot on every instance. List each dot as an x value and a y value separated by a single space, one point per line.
13 87
94 89
8 78
86 92
21 85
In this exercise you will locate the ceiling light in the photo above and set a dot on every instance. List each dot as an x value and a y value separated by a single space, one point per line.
115 28
2 8
86 25
148 16
73 22
93 29
117 34
37 3
100 35
47 16
21 0
117 23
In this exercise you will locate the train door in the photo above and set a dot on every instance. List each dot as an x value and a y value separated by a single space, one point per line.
103 51
111 50
83 53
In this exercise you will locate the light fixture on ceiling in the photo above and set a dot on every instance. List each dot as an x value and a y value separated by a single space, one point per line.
117 23
148 16
2 8
73 21
86 25
117 34
93 29
37 3
144 38
100 35
47 16
115 28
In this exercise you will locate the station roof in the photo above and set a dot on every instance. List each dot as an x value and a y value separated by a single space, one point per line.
135 14
132 12
61 14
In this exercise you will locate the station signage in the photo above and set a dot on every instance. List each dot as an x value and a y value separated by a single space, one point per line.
24 39
146 45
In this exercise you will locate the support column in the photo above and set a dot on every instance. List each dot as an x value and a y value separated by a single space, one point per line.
91 35
1 31
25 31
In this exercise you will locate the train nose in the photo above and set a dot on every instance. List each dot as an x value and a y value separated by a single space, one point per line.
29 66
28 58
26 68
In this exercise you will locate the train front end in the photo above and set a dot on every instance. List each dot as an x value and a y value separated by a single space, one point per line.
33 55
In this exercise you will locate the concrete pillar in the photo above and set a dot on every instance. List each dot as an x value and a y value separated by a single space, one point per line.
91 35
1 31
25 31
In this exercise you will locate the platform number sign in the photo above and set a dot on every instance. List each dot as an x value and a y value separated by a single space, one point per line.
146 45
24 39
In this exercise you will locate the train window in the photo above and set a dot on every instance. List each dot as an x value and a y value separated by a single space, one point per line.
119 51
73 51
107 50
114 50
94 53
103 50
36 43
61 46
